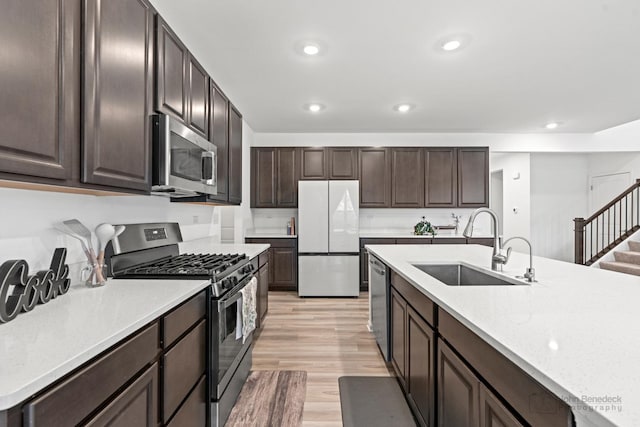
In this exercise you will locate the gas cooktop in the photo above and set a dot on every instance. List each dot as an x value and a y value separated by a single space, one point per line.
204 265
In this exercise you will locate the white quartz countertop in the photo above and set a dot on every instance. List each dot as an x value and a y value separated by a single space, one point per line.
39 347
269 235
575 331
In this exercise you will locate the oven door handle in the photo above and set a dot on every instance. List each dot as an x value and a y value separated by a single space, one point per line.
209 167
225 303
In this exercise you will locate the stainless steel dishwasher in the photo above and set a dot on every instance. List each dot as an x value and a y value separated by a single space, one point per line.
379 288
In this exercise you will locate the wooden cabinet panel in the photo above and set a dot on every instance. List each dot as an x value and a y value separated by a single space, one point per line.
398 319
75 398
171 82
313 163
493 413
193 411
182 366
283 266
235 156
198 97
287 178
407 178
421 367
343 163
473 177
219 135
263 177
420 302
458 394
137 405
375 178
263 293
117 94
179 320
40 87
440 177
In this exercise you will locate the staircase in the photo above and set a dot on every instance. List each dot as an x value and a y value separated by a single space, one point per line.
625 261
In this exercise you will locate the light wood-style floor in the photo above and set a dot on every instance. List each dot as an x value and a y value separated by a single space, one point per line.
328 338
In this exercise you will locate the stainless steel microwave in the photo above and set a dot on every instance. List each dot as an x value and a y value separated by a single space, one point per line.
184 163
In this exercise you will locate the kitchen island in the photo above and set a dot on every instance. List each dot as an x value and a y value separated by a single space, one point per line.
85 327
573 331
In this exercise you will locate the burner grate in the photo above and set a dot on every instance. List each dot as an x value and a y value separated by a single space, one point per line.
189 264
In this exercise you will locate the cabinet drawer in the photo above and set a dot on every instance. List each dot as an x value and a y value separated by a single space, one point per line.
414 241
449 241
75 398
531 400
286 242
377 241
420 302
263 258
182 318
183 365
137 405
193 411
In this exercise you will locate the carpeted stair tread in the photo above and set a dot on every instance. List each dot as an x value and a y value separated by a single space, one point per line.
634 246
373 402
629 257
621 267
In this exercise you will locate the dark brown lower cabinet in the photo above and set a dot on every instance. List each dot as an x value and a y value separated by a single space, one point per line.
493 413
283 262
193 411
398 320
458 390
421 367
263 287
137 405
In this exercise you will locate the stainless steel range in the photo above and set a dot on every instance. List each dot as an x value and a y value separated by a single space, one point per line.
150 251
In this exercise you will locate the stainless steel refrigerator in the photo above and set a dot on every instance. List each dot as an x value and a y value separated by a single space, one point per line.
328 238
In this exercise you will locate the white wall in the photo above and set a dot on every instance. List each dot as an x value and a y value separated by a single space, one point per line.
516 195
27 220
403 220
559 185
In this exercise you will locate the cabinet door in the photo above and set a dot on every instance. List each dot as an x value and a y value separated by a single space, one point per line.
407 178
458 394
493 413
198 97
39 87
473 177
343 163
284 267
171 82
375 178
193 412
137 405
235 156
399 336
313 163
440 177
364 270
117 94
263 293
421 367
287 173
263 177
219 135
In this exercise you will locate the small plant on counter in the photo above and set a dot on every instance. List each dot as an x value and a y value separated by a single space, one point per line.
424 227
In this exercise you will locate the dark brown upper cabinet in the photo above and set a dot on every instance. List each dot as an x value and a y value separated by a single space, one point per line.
313 163
287 182
473 177
117 93
235 156
171 79
407 182
40 89
198 97
263 177
375 177
440 177
219 135
343 163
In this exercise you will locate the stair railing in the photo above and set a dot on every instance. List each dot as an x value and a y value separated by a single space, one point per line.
607 228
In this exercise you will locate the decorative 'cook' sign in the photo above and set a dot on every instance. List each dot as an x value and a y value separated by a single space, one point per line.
28 291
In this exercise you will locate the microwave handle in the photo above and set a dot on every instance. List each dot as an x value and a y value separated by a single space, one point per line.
209 167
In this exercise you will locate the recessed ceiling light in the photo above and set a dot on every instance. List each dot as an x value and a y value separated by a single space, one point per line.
552 125
311 49
403 108
314 107
451 45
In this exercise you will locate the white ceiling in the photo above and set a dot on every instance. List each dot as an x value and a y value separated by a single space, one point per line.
529 62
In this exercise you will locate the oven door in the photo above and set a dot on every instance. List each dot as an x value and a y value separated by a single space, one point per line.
227 346
184 163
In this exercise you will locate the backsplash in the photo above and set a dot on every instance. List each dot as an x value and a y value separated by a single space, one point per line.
273 220
27 221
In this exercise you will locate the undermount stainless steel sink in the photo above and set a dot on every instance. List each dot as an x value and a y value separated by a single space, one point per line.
465 275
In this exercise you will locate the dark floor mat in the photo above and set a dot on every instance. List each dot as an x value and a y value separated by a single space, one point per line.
372 402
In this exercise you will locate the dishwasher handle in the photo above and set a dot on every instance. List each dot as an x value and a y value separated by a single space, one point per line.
377 266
